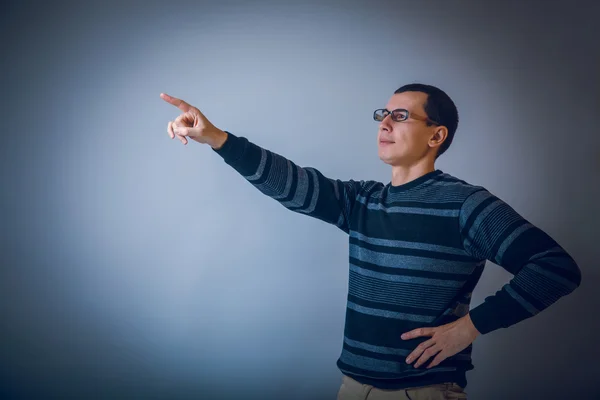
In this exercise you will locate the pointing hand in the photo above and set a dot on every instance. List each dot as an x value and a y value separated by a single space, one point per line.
193 124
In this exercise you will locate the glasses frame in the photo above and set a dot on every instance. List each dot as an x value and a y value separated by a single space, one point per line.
408 115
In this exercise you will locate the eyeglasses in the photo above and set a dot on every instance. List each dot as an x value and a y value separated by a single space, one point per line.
399 115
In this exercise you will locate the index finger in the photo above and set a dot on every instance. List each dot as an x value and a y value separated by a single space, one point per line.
182 105
417 333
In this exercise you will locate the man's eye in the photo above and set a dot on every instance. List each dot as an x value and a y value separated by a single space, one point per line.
400 114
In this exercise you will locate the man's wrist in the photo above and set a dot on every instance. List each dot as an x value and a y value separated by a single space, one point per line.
471 325
220 137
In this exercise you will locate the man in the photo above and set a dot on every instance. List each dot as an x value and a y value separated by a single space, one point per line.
418 246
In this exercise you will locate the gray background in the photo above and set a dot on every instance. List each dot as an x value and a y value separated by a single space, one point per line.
134 266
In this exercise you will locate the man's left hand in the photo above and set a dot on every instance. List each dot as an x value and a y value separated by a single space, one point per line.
446 341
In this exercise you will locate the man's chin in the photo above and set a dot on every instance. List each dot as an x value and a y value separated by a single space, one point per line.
389 160
385 159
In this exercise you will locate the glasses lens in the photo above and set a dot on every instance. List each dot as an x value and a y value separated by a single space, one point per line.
399 115
380 114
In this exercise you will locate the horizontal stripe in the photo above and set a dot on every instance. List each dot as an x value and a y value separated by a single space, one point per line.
453 202
377 349
555 253
289 179
472 208
492 232
313 193
410 262
441 283
348 370
384 331
399 308
408 272
402 244
375 365
551 275
539 287
510 240
399 293
411 251
524 303
563 267
379 294
431 196
403 288
390 314
261 166
394 351
416 228
442 212
304 185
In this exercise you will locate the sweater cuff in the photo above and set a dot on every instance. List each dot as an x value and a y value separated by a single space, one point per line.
480 316
233 148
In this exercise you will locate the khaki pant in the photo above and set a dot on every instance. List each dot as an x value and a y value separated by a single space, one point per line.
353 390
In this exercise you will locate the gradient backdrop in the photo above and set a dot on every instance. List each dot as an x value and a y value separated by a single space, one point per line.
135 267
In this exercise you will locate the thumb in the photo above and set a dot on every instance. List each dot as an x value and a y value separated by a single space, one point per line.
186 131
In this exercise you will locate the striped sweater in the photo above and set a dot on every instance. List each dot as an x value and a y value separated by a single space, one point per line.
417 251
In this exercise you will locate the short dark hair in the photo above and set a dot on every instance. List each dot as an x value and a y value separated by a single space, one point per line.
438 107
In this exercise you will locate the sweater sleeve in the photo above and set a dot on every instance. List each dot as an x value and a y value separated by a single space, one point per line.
300 189
543 271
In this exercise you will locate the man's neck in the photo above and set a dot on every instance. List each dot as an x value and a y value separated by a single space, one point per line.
402 174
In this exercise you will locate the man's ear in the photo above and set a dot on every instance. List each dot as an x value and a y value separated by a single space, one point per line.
438 137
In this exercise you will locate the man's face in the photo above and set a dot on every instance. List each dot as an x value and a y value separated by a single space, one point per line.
403 143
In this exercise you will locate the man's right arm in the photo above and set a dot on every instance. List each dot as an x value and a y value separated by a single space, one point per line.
303 190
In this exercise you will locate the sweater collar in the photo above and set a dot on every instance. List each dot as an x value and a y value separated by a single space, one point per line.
414 182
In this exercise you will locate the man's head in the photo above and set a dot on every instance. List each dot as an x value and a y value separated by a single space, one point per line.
424 130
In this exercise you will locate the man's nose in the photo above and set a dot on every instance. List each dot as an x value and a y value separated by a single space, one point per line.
385 123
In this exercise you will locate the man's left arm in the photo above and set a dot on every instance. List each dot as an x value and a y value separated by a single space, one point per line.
543 271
